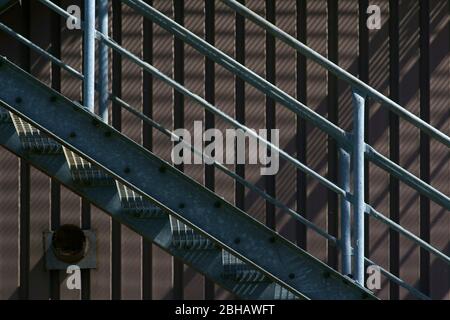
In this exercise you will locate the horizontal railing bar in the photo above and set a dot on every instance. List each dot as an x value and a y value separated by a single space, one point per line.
398 281
407 177
224 169
61 11
240 70
407 234
338 71
169 81
39 50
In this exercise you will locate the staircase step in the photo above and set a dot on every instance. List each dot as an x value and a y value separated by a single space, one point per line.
238 270
32 139
184 237
136 204
84 172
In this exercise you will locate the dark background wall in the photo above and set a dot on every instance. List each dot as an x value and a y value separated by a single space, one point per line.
408 59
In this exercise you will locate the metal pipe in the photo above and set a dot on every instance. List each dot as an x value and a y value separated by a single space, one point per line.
399 281
60 11
103 64
89 55
407 177
338 71
407 234
41 51
344 182
358 183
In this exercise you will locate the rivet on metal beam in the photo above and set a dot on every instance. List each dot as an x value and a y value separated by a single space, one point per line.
162 169
181 205
237 240
18 100
95 123
291 276
72 135
217 204
53 98
127 170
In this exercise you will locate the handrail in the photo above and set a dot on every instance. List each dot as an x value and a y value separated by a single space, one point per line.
338 71
371 152
41 51
280 96
407 177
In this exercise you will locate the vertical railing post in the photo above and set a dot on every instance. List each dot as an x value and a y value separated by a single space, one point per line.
358 183
103 61
344 182
89 55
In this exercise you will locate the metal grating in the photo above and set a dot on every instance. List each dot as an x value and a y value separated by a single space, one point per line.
133 202
32 139
238 270
183 237
84 172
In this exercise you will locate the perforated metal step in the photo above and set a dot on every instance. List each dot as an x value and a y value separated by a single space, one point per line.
184 237
136 204
32 139
84 172
236 269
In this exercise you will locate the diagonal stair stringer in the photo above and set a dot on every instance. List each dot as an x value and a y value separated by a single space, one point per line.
175 193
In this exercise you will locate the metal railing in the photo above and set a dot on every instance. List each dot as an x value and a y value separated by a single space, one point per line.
350 144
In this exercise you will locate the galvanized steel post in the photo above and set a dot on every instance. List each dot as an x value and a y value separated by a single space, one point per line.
358 183
103 61
344 183
89 55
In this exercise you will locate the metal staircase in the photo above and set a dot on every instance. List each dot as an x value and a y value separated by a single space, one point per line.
221 241
181 216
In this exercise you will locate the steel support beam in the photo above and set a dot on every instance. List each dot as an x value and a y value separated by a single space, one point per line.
358 183
81 131
103 62
89 55
344 181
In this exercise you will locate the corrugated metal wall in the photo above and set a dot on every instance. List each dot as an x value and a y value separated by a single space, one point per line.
407 59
